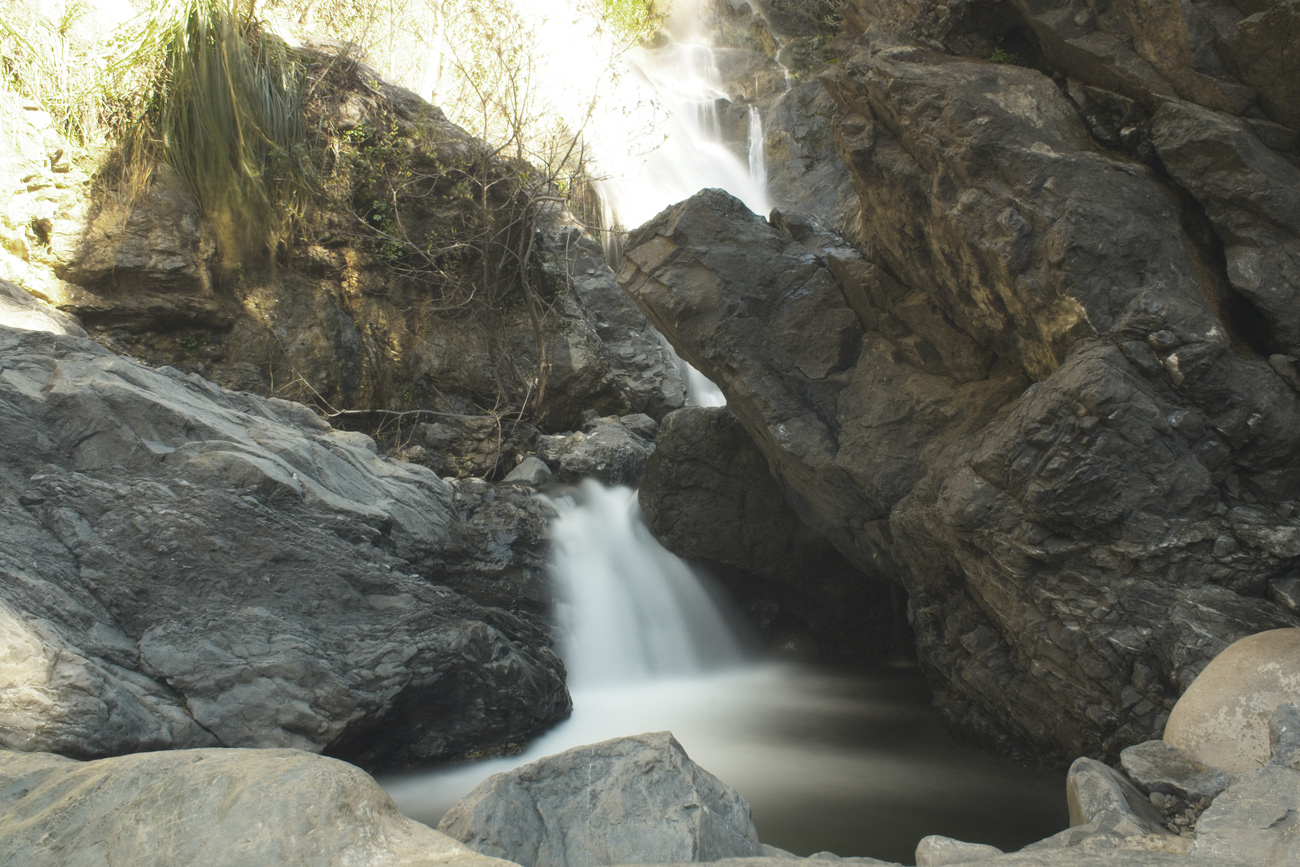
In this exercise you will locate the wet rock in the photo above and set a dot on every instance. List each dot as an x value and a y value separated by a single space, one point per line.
1223 718
212 568
214 807
936 851
1257 820
1156 766
613 450
638 799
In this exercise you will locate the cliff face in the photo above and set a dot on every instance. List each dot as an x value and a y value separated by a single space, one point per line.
1050 385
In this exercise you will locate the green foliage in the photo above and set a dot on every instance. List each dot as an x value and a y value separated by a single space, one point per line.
636 20
225 113
1001 55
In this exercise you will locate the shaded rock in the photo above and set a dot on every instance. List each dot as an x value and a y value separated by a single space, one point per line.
613 450
708 495
208 807
1155 766
1028 401
469 445
187 566
532 471
1257 820
1251 197
820 859
805 173
936 851
629 800
1284 736
1097 794
1223 717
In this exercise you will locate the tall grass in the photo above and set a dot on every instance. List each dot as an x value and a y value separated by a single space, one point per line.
225 113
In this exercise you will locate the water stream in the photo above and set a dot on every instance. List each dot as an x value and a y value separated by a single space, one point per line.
854 764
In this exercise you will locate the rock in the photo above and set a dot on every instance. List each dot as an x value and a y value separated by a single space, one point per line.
21 310
470 445
708 495
1098 795
1257 820
936 851
628 800
1032 372
208 807
1155 766
532 471
1251 197
212 568
1223 717
613 450
1284 736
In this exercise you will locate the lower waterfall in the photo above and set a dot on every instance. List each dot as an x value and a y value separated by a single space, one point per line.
855 764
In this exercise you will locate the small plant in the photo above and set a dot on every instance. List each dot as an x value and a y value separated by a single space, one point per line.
1001 55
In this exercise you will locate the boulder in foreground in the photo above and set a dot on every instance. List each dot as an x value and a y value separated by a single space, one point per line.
218 808
592 804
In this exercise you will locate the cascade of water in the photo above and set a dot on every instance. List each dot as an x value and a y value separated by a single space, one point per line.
757 153
629 610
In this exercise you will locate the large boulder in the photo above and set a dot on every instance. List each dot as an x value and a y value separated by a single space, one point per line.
215 808
623 801
186 566
1076 548
1223 717
709 496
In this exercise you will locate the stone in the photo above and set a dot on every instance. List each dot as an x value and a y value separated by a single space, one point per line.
928 461
612 450
1257 820
531 471
213 807
1156 766
1097 794
708 495
629 800
1223 717
186 566
937 851
1284 736
21 310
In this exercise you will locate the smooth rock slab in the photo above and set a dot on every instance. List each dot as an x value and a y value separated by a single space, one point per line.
1223 717
215 808
628 800
1257 820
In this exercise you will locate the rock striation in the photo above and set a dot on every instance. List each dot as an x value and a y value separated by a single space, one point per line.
186 566
1047 384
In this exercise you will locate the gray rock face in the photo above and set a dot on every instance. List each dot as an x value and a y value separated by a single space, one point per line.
1027 397
1256 821
1099 795
223 808
624 801
1284 736
613 450
708 495
186 566
1156 766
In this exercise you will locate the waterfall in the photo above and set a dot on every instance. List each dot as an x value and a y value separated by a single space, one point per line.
757 154
629 610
